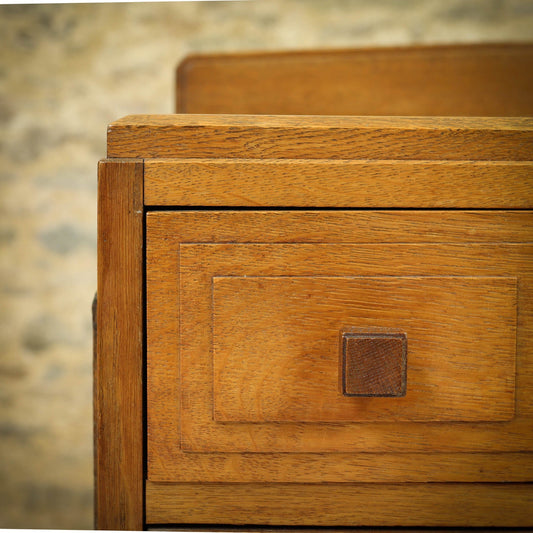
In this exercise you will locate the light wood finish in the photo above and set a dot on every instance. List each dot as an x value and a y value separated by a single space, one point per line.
166 235
452 323
165 232
339 505
460 283
306 137
199 263
342 226
341 467
118 407
346 183
459 80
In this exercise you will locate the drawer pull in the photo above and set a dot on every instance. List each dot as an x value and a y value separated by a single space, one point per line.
373 362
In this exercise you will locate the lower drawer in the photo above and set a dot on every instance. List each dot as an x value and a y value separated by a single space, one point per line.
261 411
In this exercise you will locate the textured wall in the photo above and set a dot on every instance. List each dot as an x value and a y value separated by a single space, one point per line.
66 71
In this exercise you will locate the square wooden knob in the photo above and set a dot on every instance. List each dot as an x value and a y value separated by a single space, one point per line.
373 363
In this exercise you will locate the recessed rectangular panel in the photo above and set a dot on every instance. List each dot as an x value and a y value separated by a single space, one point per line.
276 347
199 264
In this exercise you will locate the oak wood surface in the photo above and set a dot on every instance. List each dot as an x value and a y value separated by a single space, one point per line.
165 234
199 263
168 228
408 504
195 259
459 80
461 330
179 466
346 183
321 137
118 406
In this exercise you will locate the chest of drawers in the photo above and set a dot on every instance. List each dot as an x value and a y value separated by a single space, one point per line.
315 321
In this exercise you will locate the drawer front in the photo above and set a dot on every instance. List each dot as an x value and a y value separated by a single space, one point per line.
244 315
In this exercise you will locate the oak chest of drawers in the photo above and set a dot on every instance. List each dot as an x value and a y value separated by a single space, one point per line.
315 321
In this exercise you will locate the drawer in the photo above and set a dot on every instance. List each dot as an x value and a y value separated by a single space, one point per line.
244 315
316 322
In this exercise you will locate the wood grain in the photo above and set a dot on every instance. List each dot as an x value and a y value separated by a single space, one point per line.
199 263
167 231
175 465
482 505
118 406
321 137
453 323
205 265
373 363
346 183
458 80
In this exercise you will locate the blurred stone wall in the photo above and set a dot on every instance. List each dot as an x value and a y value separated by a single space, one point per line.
66 71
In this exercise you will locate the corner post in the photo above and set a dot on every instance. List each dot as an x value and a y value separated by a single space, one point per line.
118 365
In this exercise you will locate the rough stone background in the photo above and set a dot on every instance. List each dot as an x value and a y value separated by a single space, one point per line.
66 71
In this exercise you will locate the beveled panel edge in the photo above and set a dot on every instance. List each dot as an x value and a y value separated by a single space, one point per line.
254 254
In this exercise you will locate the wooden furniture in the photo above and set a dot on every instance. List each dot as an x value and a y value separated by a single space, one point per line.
315 320
459 80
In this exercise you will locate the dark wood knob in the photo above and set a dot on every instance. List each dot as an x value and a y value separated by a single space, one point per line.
373 362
